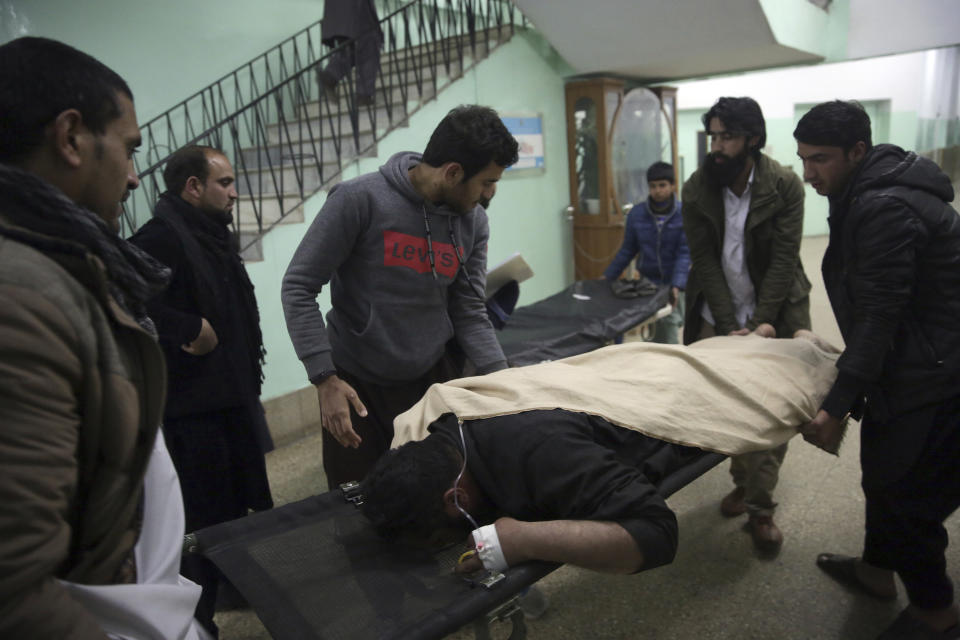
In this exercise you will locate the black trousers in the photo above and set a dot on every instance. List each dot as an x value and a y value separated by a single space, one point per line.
904 519
223 474
383 403
364 53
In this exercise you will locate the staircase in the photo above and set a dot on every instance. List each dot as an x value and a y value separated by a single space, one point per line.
287 139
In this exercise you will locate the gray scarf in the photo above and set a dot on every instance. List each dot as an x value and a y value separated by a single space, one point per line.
36 206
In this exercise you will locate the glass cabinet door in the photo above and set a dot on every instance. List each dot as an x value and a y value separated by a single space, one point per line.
641 136
587 158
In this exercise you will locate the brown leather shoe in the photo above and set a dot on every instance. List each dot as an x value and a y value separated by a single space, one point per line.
732 504
766 535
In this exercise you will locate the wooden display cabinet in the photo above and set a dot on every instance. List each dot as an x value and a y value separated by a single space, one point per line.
593 108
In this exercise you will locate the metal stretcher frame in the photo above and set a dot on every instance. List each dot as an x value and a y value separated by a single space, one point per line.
316 569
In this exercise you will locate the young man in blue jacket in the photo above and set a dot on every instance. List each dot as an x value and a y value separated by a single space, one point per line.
654 236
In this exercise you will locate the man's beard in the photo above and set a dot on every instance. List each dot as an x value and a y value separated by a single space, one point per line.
484 202
221 216
723 174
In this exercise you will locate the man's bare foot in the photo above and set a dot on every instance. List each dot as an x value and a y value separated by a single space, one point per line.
765 330
810 336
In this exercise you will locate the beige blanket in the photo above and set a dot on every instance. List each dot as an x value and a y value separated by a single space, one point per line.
726 394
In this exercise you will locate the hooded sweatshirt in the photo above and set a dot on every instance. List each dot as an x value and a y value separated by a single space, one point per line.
394 309
892 272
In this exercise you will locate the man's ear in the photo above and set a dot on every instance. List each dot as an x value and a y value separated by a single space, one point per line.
450 498
192 189
70 137
452 173
857 152
752 142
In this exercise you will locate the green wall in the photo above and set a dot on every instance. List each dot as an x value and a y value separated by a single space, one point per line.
802 25
165 50
526 215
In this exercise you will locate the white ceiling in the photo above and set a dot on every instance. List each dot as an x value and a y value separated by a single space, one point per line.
656 40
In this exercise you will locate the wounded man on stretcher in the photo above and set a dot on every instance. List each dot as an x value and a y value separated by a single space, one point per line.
559 461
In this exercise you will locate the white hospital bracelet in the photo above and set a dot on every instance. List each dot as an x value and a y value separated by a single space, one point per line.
488 548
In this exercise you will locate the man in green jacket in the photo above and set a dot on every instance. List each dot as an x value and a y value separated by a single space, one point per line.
743 218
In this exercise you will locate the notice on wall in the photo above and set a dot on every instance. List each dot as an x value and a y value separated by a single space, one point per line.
527 128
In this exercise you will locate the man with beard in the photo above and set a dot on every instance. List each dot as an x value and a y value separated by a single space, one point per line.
405 252
892 271
91 518
743 217
209 329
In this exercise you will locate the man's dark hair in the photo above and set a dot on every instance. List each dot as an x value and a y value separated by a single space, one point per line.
836 123
40 79
403 493
472 136
740 116
192 160
660 171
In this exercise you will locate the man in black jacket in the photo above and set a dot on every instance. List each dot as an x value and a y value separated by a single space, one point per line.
892 272
209 329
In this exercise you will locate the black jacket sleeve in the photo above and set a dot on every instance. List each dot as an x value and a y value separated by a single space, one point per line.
175 326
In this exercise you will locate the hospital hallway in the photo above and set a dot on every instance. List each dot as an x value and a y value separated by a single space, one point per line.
718 587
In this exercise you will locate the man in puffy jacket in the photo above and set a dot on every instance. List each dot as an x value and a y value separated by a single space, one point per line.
654 236
892 272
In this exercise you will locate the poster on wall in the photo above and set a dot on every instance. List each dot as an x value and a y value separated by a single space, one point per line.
527 128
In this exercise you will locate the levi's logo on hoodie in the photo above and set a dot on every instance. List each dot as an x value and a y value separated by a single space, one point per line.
402 250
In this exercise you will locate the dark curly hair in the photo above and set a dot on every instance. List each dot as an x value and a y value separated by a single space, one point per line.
741 116
472 136
403 493
40 79
836 123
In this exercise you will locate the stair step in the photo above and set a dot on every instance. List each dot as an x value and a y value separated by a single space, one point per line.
285 179
316 127
278 155
271 209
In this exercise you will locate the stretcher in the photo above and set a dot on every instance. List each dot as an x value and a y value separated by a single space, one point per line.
583 317
316 569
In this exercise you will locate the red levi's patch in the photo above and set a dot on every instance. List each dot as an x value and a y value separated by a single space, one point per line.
402 250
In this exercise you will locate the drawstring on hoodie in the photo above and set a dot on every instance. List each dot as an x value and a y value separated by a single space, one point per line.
456 251
433 260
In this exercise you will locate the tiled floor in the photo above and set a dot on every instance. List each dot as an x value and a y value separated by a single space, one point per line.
717 588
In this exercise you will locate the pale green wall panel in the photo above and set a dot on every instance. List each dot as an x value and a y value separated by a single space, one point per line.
903 129
802 25
165 50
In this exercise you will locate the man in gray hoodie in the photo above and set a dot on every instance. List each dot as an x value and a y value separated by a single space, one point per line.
405 251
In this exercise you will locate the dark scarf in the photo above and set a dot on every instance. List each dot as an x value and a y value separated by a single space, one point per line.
211 249
37 207
661 208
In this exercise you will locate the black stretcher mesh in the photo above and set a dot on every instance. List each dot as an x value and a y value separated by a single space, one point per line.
316 569
562 326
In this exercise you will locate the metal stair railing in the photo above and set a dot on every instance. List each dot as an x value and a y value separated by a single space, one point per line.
286 137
